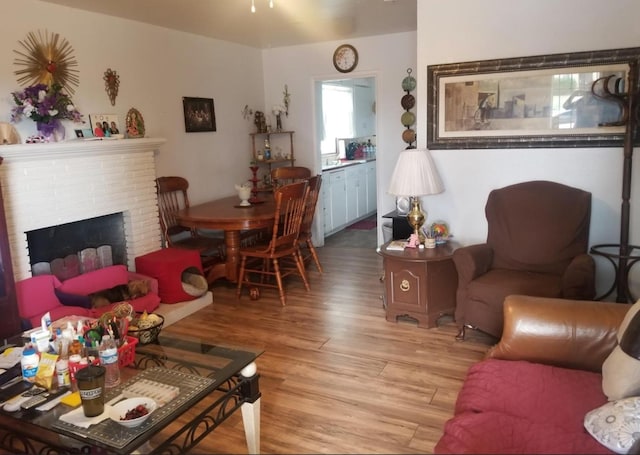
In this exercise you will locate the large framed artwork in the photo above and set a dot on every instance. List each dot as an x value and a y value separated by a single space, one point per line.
199 115
557 100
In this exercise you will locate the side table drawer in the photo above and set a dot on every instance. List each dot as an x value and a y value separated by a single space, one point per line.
405 287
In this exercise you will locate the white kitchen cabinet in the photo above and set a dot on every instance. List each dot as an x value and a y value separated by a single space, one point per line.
336 198
326 203
356 191
372 187
348 195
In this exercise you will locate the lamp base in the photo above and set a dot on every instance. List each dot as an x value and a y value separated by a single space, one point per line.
416 218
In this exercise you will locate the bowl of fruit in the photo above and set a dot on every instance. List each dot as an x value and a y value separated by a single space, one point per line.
132 412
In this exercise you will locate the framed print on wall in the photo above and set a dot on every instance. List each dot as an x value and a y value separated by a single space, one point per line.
541 101
199 115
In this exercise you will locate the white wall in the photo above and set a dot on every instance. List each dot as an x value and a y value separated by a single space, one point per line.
157 67
386 57
465 30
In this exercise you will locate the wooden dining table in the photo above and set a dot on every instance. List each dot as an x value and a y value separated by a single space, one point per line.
227 215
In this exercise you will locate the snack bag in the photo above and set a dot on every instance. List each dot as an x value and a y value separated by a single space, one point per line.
46 370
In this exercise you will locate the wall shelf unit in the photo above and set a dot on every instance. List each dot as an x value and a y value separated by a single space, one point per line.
281 152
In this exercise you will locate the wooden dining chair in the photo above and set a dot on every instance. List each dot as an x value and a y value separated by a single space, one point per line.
289 174
304 239
263 260
173 196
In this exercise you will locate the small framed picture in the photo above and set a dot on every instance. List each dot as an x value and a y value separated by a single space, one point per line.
105 125
84 133
199 115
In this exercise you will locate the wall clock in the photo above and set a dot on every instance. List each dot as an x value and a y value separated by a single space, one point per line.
345 58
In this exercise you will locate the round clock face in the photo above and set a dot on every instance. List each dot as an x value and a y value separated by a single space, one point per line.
345 58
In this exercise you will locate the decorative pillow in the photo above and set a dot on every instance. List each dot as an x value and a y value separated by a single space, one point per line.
621 369
69 299
615 425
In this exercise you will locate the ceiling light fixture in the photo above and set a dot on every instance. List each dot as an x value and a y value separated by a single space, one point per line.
253 5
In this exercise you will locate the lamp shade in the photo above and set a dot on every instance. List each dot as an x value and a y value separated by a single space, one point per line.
415 174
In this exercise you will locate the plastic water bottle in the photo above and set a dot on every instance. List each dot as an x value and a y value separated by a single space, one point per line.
108 352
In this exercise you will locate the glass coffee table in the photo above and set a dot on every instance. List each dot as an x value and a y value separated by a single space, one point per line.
199 386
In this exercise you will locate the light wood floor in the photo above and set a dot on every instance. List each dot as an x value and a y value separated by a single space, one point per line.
335 376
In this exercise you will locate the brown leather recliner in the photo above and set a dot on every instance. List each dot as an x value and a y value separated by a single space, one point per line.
537 242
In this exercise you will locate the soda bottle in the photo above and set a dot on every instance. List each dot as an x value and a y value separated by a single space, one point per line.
108 353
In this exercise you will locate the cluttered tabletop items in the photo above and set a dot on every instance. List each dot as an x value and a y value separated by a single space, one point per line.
76 361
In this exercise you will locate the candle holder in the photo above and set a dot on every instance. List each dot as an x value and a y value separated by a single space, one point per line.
254 182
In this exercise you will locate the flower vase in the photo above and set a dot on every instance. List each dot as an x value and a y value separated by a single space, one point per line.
52 131
279 122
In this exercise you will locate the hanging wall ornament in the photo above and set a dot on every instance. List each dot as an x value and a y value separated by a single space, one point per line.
46 59
111 84
408 118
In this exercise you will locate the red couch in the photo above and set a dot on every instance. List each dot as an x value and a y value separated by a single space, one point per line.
45 293
532 392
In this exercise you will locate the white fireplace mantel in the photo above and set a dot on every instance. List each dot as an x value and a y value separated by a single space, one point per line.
50 184
77 147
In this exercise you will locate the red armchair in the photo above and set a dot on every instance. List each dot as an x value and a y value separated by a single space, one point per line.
537 242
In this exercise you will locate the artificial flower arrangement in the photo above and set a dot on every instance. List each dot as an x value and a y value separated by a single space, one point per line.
278 109
439 231
45 105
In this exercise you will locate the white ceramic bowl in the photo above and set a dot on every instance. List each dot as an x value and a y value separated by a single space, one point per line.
119 410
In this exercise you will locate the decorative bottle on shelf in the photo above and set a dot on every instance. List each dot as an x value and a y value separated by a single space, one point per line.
267 149
108 352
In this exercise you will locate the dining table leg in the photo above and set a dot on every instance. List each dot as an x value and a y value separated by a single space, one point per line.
232 245
230 268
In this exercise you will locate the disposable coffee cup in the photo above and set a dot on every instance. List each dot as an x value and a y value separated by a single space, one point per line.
90 381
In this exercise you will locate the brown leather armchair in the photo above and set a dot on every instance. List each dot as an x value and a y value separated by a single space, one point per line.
537 242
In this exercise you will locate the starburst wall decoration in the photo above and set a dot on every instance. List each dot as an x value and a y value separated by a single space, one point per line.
46 58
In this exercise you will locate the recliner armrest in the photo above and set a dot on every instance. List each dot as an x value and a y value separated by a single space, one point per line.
472 261
577 334
578 280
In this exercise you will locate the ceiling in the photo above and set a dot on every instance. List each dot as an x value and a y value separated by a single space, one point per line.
288 23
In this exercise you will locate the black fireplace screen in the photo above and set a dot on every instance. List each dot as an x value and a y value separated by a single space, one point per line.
58 242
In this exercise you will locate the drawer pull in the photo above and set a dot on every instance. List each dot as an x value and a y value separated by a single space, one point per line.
404 285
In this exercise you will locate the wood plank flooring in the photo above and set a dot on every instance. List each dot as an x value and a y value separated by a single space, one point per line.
335 376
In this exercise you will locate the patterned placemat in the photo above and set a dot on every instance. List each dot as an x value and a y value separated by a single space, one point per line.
118 436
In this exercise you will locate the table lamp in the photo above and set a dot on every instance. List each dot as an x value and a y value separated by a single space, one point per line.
415 175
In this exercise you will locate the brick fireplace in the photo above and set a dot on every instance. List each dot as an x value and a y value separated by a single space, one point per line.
51 184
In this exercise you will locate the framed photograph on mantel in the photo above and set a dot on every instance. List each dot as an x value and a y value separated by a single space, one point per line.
199 115
541 101
105 125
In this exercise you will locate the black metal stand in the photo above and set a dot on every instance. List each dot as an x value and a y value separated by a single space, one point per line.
629 118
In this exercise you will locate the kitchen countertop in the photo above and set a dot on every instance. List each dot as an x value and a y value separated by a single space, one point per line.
343 163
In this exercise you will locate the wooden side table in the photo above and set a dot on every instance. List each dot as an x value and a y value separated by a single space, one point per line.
420 283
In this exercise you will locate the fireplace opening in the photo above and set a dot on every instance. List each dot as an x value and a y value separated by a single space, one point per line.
68 243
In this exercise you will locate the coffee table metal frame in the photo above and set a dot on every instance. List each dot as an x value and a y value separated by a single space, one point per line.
236 386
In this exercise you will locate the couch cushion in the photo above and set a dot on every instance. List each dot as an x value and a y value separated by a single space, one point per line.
506 401
494 432
36 296
96 280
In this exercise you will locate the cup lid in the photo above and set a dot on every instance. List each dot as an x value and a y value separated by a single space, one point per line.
90 372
